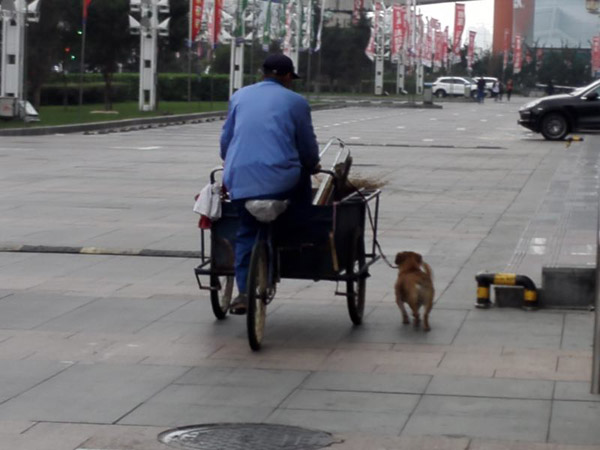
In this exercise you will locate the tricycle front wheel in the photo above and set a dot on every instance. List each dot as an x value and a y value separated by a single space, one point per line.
221 289
258 290
356 286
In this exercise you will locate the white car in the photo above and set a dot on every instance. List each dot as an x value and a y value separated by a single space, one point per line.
444 86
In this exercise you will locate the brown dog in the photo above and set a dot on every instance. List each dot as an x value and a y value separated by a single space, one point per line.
414 286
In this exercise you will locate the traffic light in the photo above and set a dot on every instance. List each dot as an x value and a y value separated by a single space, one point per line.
79 32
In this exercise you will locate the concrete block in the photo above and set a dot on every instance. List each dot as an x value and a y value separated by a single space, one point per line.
568 287
508 296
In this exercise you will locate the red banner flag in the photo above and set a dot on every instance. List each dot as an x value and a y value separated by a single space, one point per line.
398 30
506 48
471 50
86 5
214 24
595 55
197 11
439 49
459 26
358 7
372 45
446 39
539 58
518 56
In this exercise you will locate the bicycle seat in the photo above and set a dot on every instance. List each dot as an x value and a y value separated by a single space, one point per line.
266 210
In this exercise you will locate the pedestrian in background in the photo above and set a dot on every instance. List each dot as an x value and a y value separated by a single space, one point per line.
550 88
496 91
480 90
509 89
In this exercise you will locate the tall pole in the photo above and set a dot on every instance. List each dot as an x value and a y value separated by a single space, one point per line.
13 49
596 348
149 55
82 63
189 68
236 68
379 48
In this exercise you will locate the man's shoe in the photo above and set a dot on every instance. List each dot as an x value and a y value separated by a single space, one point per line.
239 305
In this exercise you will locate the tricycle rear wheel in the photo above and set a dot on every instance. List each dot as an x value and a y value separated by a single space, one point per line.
257 295
356 286
221 289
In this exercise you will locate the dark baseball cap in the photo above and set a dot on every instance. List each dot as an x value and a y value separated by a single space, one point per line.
278 64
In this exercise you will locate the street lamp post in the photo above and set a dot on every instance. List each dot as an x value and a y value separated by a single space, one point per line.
593 7
149 28
15 15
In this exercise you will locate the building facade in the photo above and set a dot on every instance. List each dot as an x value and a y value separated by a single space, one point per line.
544 23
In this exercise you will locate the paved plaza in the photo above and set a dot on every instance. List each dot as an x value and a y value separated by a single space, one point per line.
104 352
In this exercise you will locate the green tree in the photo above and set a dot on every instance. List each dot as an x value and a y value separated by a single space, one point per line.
108 41
46 43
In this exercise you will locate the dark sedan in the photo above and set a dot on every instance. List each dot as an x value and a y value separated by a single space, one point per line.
558 115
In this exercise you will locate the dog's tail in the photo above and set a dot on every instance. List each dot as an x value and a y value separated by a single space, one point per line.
428 270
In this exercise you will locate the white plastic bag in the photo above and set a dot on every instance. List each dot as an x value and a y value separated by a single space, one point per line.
208 203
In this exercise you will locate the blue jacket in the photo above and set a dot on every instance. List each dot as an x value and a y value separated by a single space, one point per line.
266 139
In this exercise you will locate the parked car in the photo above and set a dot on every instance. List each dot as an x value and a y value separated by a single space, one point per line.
444 86
555 116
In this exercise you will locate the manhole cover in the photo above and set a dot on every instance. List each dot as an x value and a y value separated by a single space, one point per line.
245 436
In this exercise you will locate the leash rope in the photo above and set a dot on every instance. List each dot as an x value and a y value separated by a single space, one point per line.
372 223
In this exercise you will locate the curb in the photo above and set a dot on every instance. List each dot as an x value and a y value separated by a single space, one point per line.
178 119
98 251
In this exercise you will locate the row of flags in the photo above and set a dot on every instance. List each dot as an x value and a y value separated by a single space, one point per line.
391 28
517 48
289 21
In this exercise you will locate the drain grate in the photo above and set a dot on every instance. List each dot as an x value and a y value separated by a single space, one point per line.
245 436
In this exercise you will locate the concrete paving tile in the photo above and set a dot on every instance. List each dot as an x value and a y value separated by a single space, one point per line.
112 315
251 378
272 353
579 331
125 437
344 358
372 382
490 387
341 421
467 364
17 377
92 393
179 405
512 328
490 418
51 346
575 390
384 324
39 437
575 423
478 444
13 427
362 440
27 311
351 401
574 368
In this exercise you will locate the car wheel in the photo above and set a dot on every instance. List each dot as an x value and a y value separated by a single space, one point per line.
440 93
554 127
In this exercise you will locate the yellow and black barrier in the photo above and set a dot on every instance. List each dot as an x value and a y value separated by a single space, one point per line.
485 280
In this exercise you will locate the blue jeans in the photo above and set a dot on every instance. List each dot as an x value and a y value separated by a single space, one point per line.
300 196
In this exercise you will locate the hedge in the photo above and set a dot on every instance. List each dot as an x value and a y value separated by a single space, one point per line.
125 87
